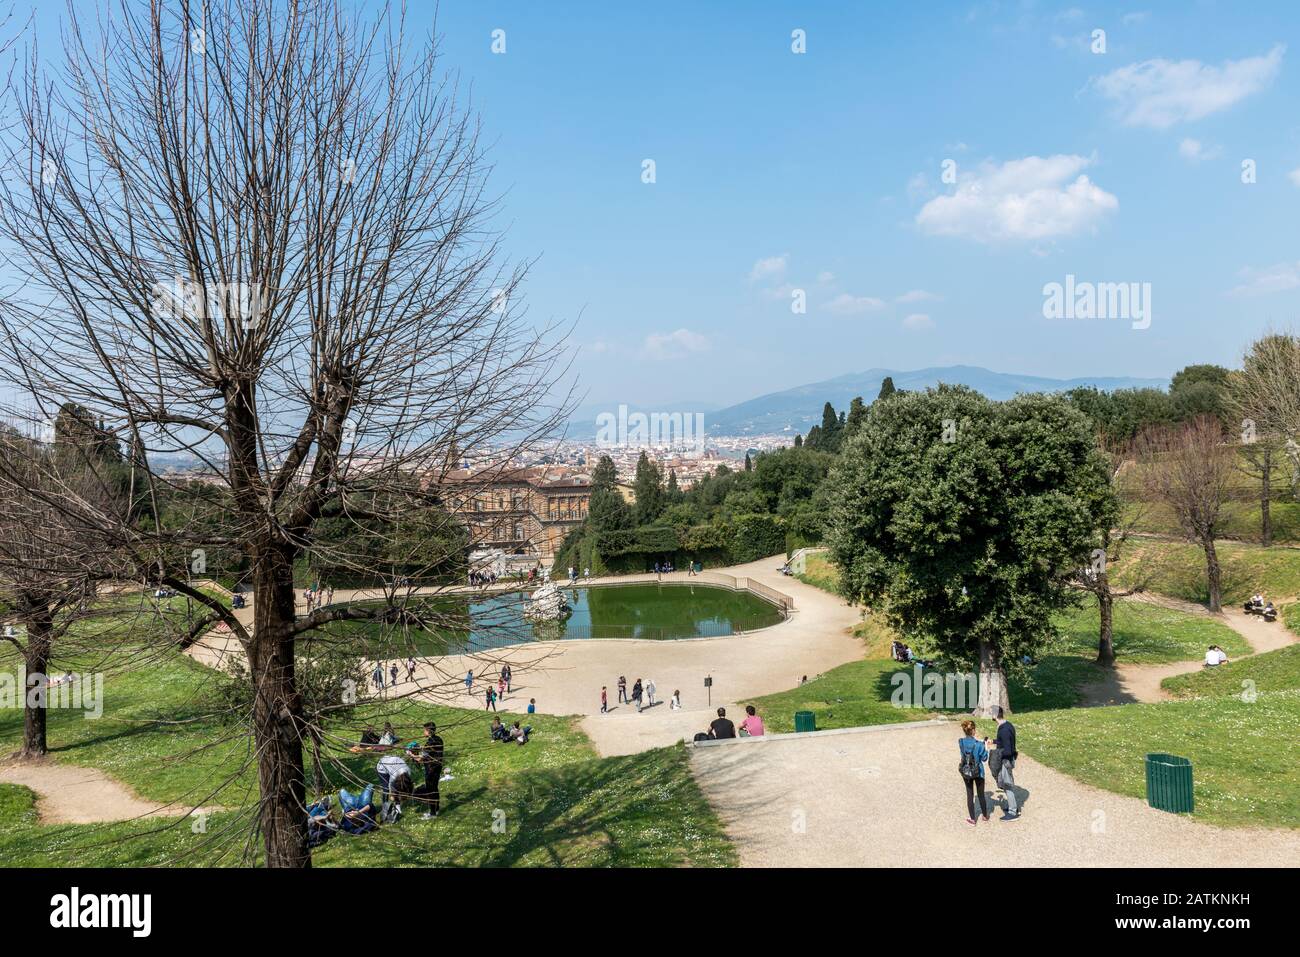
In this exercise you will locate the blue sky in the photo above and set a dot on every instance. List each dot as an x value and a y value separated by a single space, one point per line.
822 171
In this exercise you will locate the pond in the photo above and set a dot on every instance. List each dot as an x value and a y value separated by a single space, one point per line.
454 625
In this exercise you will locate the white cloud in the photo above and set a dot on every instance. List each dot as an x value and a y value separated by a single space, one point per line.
1159 93
772 267
846 305
918 322
1195 151
1034 198
826 276
1294 176
1136 17
1260 282
673 345
916 295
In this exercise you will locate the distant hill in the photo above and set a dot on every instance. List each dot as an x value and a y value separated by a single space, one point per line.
800 408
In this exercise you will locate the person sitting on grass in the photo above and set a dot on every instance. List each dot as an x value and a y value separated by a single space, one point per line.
1214 656
519 734
499 731
369 737
358 811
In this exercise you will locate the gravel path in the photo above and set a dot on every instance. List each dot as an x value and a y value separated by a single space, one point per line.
892 797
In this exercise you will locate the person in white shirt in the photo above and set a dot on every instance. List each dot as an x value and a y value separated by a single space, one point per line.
675 703
1214 656
650 691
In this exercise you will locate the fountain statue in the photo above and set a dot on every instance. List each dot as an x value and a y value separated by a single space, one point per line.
547 604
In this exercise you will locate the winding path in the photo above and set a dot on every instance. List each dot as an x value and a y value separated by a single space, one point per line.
73 794
1130 683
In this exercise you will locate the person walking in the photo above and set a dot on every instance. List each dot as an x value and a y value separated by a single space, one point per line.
490 697
392 675
501 685
974 753
622 690
507 674
378 676
604 700
469 681
675 702
410 669
636 694
650 692
1006 745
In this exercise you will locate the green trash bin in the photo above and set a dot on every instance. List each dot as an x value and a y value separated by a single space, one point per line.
805 721
1169 783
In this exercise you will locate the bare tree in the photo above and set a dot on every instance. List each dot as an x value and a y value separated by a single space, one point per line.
1095 577
257 234
1265 395
1189 468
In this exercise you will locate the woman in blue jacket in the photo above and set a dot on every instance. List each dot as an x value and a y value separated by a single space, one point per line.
973 755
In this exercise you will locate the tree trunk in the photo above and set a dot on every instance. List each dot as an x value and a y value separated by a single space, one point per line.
1213 574
277 714
1106 640
993 684
318 768
1265 491
36 662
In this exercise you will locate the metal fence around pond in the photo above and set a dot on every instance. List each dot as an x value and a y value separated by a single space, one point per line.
705 629
780 599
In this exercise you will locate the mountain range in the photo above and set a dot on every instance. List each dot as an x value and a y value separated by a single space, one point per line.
798 409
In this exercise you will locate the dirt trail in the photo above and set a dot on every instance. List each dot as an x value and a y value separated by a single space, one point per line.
70 794
1130 683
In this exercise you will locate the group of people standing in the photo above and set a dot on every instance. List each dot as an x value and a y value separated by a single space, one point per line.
642 695
974 754
318 596
383 677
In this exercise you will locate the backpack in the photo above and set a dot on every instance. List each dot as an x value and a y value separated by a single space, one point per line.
969 765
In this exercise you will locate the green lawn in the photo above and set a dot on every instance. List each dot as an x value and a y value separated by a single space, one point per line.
1272 671
1144 633
1244 757
639 811
161 735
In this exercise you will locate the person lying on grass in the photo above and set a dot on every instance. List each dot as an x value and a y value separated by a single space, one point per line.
358 811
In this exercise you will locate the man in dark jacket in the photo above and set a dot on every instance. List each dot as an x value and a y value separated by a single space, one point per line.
429 757
1006 743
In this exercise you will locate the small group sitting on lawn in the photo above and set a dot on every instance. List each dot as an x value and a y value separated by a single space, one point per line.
363 811
1215 656
500 732
899 651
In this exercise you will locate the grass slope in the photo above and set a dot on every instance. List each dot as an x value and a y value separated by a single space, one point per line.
559 803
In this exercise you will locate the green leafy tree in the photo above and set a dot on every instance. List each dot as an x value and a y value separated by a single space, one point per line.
960 519
648 490
886 388
857 413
